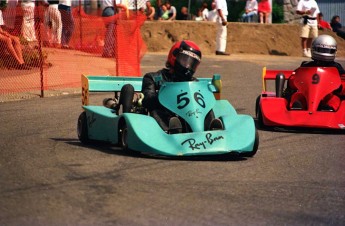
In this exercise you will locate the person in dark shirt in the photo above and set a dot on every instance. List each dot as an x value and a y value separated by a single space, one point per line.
337 27
183 60
323 52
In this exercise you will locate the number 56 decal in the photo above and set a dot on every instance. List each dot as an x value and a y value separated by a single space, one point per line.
183 100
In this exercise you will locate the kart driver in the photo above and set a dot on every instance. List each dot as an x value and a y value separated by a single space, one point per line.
183 60
323 52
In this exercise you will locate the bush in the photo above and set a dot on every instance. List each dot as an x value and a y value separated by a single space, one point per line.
277 13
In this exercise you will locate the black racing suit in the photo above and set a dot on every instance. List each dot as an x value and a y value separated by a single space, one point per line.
150 89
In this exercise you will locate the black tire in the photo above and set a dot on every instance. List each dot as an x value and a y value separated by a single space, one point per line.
126 98
257 105
260 120
255 147
82 129
258 113
123 139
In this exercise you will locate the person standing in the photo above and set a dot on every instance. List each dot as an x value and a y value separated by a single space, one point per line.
67 22
309 30
28 27
53 24
213 14
109 9
222 30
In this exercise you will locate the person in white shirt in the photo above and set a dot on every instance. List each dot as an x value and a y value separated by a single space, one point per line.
212 14
172 11
222 30
309 11
204 11
250 11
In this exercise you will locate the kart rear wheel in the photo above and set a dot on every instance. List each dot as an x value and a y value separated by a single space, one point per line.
126 98
124 137
82 129
255 147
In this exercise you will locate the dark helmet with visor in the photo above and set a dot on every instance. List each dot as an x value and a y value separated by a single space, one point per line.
184 58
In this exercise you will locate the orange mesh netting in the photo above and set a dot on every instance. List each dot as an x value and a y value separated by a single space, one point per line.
32 36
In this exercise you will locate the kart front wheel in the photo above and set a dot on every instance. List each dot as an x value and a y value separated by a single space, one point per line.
82 128
258 113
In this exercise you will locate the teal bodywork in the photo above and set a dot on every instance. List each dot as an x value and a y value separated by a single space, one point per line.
191 101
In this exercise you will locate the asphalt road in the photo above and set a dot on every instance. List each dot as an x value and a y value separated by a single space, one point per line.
48 178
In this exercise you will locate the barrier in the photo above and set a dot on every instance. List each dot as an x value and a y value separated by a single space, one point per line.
58 46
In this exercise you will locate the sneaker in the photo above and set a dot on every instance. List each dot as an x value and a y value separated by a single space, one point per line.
306 53
216 124
175 126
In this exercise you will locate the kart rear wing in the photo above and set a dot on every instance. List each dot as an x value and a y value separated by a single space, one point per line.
106 84
92 83
271 75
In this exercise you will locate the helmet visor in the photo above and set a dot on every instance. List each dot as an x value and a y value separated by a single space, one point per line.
325 50
188 59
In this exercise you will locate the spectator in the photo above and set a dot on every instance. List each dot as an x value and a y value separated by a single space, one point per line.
199 16
28 26
337 27
204 11
10 44
264 9
165 13
185 15
108 10
222 9
309 11
150 11
213 14
67 23
172 11
183 60
322 24
251 10
53 24
158 9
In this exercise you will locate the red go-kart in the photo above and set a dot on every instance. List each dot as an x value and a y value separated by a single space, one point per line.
314 83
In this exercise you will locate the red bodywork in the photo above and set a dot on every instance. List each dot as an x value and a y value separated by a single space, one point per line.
314 83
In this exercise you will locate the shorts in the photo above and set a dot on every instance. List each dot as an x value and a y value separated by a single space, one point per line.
308 31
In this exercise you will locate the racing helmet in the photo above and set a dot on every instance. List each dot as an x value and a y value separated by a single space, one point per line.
324 48
184 58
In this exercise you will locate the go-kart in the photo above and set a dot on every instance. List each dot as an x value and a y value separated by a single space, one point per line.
135 130
272 107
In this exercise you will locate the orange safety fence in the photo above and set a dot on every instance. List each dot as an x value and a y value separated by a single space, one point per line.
36 52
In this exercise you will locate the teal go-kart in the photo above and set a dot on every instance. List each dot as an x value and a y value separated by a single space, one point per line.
136 130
